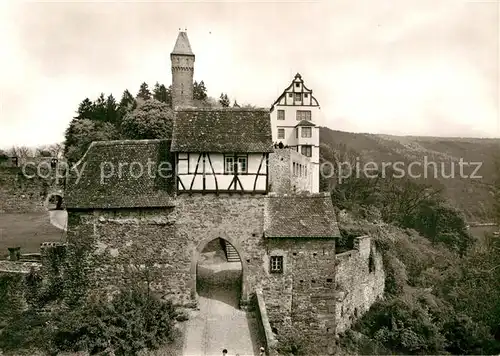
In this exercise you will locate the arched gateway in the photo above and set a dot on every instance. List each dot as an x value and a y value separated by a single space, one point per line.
244 268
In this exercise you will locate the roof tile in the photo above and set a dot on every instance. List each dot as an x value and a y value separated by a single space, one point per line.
300 216
103 185
222 130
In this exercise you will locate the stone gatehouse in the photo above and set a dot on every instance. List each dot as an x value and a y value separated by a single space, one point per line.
155 204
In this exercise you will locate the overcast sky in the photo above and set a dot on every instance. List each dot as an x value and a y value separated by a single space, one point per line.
426 67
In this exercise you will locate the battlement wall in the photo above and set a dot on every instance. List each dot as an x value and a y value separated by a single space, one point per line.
360 281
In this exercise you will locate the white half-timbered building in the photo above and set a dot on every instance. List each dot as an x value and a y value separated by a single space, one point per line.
222 150
294 118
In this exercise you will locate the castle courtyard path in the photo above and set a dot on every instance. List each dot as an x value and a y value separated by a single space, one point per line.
218 323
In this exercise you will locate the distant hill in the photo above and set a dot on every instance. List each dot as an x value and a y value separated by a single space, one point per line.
473 196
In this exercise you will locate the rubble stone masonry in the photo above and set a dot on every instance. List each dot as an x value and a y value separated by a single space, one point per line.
318 292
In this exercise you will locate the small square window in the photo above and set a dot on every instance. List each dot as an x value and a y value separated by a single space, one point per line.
281 133
297 85
281 114
298 97
276 264
229 165
290 95
306 95
242 165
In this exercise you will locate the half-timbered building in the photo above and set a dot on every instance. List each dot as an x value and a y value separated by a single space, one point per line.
222 151
294 118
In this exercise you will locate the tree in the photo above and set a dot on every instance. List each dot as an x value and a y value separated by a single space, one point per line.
144 93
99 109
82 132
151 120
56 149
127 104
161 93
224 100
85 109
235 105
199 91
111 109
22 153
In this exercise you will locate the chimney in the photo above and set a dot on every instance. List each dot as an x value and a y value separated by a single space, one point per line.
14 253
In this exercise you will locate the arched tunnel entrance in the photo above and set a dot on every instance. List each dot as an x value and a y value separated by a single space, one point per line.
55 205
219 273
54 202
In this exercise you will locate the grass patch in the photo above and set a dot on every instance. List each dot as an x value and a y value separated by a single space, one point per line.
27 230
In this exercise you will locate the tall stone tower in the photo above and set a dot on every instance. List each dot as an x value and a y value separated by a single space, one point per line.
182 58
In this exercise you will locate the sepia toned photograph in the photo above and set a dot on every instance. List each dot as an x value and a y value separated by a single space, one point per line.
250 178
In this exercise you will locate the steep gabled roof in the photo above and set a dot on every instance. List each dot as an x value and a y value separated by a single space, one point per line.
305 123
182 45
97 182
289 216
222 130
290 89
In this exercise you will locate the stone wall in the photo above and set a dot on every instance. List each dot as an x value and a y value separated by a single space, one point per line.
360 280
129 247
236 218
24 189
18 267
164 245
283 179
303 296
319 292
264 324
19 194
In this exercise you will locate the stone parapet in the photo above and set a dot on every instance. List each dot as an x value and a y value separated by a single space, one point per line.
271 342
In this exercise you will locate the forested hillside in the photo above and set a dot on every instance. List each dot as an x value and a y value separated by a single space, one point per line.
470 194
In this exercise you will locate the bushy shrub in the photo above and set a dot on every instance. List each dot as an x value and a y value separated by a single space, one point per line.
465 336
11 295
402 325
296 343
132 321
26 331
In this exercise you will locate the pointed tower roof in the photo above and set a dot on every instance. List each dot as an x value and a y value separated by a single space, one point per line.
182 45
